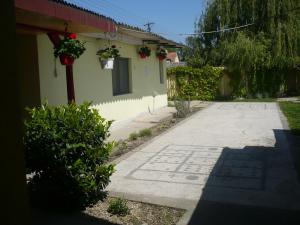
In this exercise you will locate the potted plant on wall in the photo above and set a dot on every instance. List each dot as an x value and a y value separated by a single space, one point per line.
107 56
69 49
161 53
144 52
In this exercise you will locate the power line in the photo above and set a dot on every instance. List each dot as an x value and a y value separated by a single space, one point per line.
105 9
236 27
219 31
125 10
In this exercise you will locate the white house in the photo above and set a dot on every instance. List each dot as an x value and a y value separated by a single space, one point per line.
134 86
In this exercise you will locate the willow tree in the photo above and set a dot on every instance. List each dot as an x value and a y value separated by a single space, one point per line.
273 30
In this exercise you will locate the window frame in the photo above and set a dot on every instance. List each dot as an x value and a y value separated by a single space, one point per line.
116 89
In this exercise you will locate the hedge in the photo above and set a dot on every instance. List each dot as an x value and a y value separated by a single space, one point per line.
196 83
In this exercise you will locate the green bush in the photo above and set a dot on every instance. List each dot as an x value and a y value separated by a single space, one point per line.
118 206
66 151
145 132
133 136
195 83
182 108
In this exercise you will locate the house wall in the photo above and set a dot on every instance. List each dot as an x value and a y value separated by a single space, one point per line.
28 71
92 83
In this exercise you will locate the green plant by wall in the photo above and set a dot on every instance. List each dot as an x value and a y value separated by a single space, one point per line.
133 136
66 151
145 132
118 206
196 83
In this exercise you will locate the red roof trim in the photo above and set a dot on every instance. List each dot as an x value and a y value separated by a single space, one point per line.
66 13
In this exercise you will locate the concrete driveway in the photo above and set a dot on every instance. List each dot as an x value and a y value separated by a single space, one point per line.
228 153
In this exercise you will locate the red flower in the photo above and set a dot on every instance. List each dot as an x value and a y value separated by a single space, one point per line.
72 36
113 46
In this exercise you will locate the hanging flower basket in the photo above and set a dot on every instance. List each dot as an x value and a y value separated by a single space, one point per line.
107 63
143 55
69 49
161 57
66 60
161 53
144 52
107 56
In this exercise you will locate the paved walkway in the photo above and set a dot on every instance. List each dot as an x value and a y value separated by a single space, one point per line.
228 153
122 130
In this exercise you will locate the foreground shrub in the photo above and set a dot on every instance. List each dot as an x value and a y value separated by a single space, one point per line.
66 151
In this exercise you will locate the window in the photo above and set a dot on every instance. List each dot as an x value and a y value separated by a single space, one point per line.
161 72
120 76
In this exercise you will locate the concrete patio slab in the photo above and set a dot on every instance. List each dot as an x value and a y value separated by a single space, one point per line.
229 153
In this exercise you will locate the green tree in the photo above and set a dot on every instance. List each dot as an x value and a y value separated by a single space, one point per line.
269 45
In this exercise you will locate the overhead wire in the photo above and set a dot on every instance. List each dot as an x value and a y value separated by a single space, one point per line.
120 14
235 27
218 31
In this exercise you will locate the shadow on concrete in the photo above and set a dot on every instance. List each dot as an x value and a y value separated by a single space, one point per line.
43 217
240 187
213 213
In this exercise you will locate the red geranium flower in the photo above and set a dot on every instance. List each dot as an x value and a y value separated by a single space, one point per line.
72 36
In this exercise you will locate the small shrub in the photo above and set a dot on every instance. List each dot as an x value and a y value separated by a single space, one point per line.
145 132
182 108
133 136
66 150
118 206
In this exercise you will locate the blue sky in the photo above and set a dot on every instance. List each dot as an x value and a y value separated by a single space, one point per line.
171 17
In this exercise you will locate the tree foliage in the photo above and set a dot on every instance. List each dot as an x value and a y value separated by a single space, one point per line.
269 45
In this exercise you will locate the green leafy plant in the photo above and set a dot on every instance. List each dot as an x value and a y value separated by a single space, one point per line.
161 53
118 206
145 132
144 52
182 107
110 52
65 149
133 136
70 46
195 83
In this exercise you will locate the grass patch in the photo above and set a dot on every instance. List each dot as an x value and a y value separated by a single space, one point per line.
118 206
133 136
145 132
292 112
